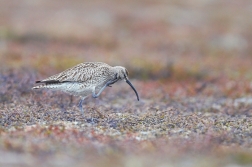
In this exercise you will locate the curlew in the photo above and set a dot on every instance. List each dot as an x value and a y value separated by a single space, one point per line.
85 79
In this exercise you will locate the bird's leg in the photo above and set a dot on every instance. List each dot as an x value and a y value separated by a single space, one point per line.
98 94
71 100
80 105
107 84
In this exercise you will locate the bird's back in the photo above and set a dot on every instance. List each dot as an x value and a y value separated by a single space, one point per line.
79 73
79 79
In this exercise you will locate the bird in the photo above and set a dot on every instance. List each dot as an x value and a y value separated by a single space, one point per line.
85 79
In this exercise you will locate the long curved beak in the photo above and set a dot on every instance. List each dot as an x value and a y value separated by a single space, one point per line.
133 88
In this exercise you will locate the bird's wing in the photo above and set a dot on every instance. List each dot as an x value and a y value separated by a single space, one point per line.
79 73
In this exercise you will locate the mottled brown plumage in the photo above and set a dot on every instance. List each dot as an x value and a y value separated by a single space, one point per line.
85 79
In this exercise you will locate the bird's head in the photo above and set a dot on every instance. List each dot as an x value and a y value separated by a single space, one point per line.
122 74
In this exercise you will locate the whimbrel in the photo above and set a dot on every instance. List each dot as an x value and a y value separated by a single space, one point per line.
85 79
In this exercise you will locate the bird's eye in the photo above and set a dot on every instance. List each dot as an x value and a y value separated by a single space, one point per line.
127 73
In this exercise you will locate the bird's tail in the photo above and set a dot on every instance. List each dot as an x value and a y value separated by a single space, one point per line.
48 86
39 87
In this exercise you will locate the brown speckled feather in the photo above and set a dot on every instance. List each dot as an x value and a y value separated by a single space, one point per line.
81 72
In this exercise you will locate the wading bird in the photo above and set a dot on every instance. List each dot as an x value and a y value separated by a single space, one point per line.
85 79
